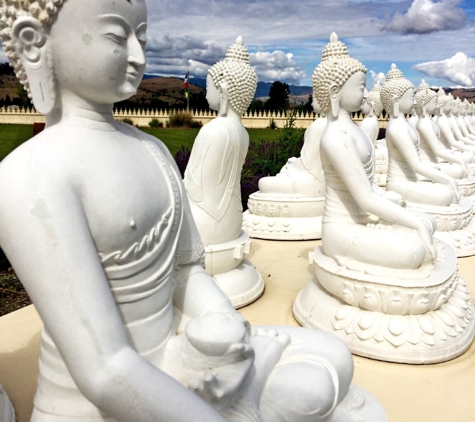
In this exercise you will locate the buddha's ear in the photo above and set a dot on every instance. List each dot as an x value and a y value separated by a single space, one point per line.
333 91
30 42
224 99
395 106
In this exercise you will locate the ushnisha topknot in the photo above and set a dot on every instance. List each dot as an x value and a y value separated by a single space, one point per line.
10 10
335 68
374 98
240 77
394 88
443 98
423 95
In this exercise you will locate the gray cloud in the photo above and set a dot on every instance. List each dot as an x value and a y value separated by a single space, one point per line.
276 66
377 77
459 69
426 16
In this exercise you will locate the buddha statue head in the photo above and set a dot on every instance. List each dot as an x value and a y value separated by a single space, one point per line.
231 82
456 105
333 73
444 102
425 100
53 52
372 104
397 94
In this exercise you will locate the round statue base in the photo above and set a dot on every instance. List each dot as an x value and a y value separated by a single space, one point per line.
466 187
233 273
417 316
455 224
284 217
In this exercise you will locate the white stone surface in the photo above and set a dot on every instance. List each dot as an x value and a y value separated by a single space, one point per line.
380 282
96 222
421 184
289 206
213 178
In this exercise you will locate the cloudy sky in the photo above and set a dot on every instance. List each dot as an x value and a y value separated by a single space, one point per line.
427 39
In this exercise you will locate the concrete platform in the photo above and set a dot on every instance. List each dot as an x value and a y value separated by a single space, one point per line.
409 393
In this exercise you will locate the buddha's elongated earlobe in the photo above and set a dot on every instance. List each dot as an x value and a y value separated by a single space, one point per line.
371 109
334 100
29 39
396 106
424 110
224 99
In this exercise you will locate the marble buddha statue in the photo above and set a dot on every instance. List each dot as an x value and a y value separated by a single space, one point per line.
431 149
454 118
372 108
461 119
447 137
213 177
423 187
289 206
467 114
381 282
95 220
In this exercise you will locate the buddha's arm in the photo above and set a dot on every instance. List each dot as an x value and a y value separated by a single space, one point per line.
45 234
210 169
425 129
195 291
448 135
344 157
405 145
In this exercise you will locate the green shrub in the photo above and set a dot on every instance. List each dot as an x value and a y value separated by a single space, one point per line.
183 119
155 123
128 121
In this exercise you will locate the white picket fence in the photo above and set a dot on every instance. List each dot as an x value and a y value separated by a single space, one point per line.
259 120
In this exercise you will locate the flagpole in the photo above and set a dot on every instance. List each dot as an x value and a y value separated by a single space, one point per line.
188 96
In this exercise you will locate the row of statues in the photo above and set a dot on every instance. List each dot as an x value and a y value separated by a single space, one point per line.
96 221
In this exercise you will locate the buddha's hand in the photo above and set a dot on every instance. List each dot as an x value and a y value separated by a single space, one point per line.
425 230
454 188
221 384
219 356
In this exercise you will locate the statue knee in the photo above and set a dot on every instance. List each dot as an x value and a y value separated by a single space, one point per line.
305 391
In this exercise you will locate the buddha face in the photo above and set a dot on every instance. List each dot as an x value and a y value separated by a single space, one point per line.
352 92
447 107
98 47
406 102
212 94
316 107
431 106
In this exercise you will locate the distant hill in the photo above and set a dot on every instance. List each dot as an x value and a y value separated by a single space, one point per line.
162 92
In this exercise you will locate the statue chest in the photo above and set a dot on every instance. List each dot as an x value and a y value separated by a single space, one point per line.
127 196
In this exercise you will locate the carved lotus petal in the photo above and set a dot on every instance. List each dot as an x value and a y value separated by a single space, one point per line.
396 303
420 303
440 301
343 312
369 299
366 320
367 325
396 330
455 309
426 324
348 294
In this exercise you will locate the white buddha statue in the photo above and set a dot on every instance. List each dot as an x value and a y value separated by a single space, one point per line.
447 137
431 149
381 282
95 220
372 108
289 206
213 177
423 187
454 118
466 113
461 120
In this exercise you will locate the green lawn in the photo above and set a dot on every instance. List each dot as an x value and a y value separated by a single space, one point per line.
12 136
